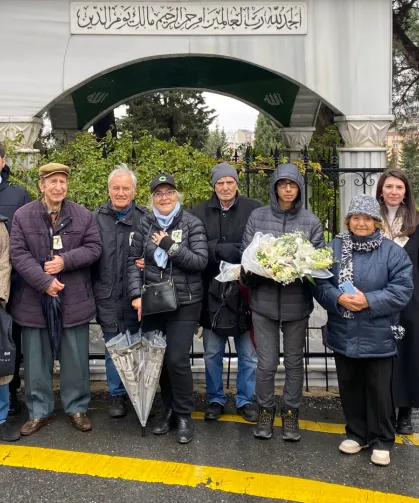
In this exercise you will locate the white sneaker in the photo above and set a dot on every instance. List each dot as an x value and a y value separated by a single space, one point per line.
381 458
351 446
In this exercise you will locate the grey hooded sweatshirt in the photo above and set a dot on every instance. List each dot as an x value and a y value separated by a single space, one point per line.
268 298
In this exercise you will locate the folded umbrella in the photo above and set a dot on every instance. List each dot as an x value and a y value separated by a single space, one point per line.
51 309
138 359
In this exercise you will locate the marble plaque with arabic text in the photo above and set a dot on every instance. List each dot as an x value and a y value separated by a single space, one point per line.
180 18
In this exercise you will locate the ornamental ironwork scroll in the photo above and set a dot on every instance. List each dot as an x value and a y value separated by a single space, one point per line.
180 18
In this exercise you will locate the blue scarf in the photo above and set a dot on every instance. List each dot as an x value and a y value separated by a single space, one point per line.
160 255
123 213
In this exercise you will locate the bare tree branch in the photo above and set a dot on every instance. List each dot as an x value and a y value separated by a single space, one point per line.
407 46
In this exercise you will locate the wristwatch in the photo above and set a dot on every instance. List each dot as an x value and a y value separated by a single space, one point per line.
174 248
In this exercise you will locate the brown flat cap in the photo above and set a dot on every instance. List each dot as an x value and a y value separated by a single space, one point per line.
52 168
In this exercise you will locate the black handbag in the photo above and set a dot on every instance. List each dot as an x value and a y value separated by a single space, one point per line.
229 316
158 297
7 346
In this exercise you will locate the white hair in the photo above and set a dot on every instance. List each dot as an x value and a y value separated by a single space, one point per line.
123 169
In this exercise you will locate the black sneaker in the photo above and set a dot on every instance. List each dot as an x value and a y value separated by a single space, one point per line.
214 411
118 406
9 433
264 428
248 413
290 427
404 421
15 407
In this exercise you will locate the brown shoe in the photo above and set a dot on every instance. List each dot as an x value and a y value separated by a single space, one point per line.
81 422
34 425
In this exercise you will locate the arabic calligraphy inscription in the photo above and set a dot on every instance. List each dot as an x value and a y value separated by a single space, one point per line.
179 18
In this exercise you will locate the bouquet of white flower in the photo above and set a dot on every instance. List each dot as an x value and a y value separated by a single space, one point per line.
287 258
283 259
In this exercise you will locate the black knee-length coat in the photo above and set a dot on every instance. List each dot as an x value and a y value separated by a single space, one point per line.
406 367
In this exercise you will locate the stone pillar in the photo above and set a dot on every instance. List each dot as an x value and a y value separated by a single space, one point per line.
27 130
364 149
295 139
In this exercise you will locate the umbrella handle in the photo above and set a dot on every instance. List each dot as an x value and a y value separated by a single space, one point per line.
142 431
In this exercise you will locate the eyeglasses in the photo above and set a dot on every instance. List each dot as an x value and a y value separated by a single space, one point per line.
160 195
283 184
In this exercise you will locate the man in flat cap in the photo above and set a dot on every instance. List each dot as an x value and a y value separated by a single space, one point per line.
225 217
53 225
12 197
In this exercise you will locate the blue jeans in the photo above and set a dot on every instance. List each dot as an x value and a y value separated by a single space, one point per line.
115 384
214 348
4 402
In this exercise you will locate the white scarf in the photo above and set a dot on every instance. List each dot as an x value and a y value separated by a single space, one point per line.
393 227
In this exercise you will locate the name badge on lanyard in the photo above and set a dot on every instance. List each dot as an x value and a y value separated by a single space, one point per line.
177 236
57 243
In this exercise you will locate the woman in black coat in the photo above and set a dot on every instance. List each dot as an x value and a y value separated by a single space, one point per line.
398 208
172 242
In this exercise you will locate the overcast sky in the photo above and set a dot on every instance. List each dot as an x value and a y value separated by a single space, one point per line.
232 114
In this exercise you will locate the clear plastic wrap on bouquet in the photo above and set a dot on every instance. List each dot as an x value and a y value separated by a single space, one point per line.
228 272
250 262
287 258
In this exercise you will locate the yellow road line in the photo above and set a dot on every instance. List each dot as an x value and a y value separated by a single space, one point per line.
182 474
310 426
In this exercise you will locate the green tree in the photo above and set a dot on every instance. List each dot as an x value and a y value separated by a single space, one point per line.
267 136
405 58
321 145
410 161
392 158
91 161
216 143
182 115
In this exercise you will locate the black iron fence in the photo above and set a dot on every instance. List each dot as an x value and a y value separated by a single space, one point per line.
325 182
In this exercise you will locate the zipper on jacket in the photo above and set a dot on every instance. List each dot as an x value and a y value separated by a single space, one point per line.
280 286
285 221
187 287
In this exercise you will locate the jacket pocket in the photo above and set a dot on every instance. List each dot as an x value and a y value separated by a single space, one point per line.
70 239
102 293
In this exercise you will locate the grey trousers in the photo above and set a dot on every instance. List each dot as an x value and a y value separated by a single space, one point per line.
74 371
267 349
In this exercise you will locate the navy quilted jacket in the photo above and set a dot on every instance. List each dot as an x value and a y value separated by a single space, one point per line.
385 276
294 301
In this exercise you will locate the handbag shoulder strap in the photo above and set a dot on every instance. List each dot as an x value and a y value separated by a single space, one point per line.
144 251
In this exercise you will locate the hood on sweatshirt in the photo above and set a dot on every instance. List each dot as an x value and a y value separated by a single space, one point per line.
290 172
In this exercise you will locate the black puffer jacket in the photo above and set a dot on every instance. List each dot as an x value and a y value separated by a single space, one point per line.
188 262
269 298
109 274
12 196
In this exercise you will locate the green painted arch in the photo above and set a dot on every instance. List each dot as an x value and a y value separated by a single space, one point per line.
249 83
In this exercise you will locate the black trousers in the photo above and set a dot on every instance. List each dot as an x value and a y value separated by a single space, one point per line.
14 384
365 386
176 381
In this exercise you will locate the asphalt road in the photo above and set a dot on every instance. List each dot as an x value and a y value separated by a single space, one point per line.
45 476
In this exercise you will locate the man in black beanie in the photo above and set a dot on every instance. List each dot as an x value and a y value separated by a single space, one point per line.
225 216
